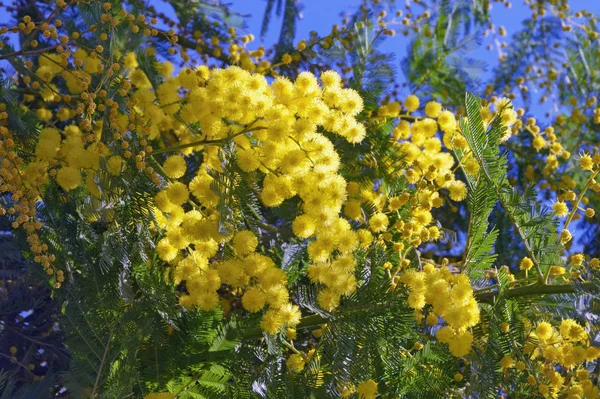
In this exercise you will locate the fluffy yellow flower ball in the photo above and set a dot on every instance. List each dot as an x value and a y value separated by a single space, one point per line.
526 263
544 331
565 236
207 300
507 362
379 222
570 330
114 165
295 363
175 166
328 299
457 189
586 162
291 314
411 103
271 322
577 259
447 121
433 109
460 344
166 251
130 60
68 177
589 212
331 80
178 193
444 334
304 226
367 389
254 299
538 142
432 319
244 242
48 144
560 209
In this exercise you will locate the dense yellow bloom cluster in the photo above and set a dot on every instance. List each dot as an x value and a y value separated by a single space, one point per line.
70 154
23 182
295 363
77 148
422 147
556 358
429 170
367 389
274 128
451 298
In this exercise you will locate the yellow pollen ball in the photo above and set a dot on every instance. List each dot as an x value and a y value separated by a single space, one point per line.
114 165
577 259
379 222
411 103
175 166
254 299
525 264
178 193
68 178
433 109
457 189
244 242
560 209
295 363
367 389
589 212
544 331
303 226
586 162
507 362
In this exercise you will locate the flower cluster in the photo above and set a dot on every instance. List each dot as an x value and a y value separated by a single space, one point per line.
274 129
448 296
554 358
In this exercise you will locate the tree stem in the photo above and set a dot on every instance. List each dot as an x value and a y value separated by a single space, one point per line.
22 53
538 289
205 142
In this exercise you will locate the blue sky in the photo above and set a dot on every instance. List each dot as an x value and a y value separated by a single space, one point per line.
320 15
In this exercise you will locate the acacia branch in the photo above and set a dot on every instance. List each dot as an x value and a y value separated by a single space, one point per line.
531 290
519 230
22 53
97 383
479 157
206 142
199 47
